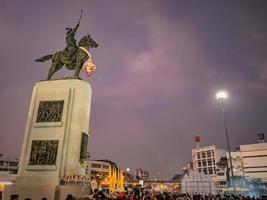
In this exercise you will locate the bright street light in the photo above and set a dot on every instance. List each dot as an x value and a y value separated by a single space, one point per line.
221 95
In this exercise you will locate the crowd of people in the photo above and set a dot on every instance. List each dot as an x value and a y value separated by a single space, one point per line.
16 197
140 194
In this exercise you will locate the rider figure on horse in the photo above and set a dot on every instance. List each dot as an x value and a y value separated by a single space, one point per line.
69 52
71 47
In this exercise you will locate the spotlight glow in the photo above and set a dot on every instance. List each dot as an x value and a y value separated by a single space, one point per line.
221 95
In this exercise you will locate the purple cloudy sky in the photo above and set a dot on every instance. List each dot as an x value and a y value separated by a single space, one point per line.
159 64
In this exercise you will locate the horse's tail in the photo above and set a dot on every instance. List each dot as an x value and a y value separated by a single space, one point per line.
44 58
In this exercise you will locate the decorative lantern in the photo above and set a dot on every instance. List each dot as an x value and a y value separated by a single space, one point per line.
89 67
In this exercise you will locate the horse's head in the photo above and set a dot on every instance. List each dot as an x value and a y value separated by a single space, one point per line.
91 42
88 42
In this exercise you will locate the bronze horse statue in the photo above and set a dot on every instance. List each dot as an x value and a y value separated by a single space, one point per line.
72 62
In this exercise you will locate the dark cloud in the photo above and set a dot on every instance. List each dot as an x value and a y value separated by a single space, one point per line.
159 65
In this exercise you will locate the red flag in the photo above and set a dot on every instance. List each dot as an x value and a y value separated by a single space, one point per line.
197 138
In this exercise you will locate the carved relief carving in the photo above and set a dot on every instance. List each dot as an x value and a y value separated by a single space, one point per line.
43 152
50 111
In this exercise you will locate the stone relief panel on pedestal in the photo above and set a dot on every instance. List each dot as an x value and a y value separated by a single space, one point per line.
50 111
43 152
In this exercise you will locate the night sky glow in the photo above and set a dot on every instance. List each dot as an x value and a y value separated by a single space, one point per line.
159 65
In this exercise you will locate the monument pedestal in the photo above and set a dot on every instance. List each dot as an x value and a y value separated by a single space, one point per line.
55 142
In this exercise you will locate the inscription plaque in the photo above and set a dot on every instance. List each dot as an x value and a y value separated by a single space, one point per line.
84 143
50 111
43 152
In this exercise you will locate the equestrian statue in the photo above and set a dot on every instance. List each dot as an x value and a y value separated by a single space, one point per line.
73 57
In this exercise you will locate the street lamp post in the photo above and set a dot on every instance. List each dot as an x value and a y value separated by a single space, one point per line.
127 175
221 96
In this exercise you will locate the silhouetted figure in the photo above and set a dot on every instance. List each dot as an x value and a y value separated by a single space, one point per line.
14 197
99 195
70 197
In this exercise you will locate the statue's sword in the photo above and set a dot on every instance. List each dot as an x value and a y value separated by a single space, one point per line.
80 16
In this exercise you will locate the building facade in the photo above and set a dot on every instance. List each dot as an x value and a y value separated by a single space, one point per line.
8 170
9 164
251 161
237 163
142 174
197 182
107 174
205 161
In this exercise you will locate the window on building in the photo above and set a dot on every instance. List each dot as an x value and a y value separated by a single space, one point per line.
212 153
213 161
208 154
105 166
210 170
13 164
1 163
94 165
220 174
203 154
199 170
205 171
214 169
96 173
204 163
209 162
198 155
222 182
105 173
198 163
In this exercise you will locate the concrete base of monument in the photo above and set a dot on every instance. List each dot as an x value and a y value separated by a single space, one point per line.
55 141
76 190
37 189
31 187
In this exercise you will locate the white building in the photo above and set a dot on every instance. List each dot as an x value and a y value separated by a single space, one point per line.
199 183
251 161
205 160
237 163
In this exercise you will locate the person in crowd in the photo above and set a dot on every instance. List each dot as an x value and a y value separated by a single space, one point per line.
14 197
147 196
99 195
70 197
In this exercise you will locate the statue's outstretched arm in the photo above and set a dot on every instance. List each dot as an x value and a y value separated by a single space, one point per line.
78 24
76 27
